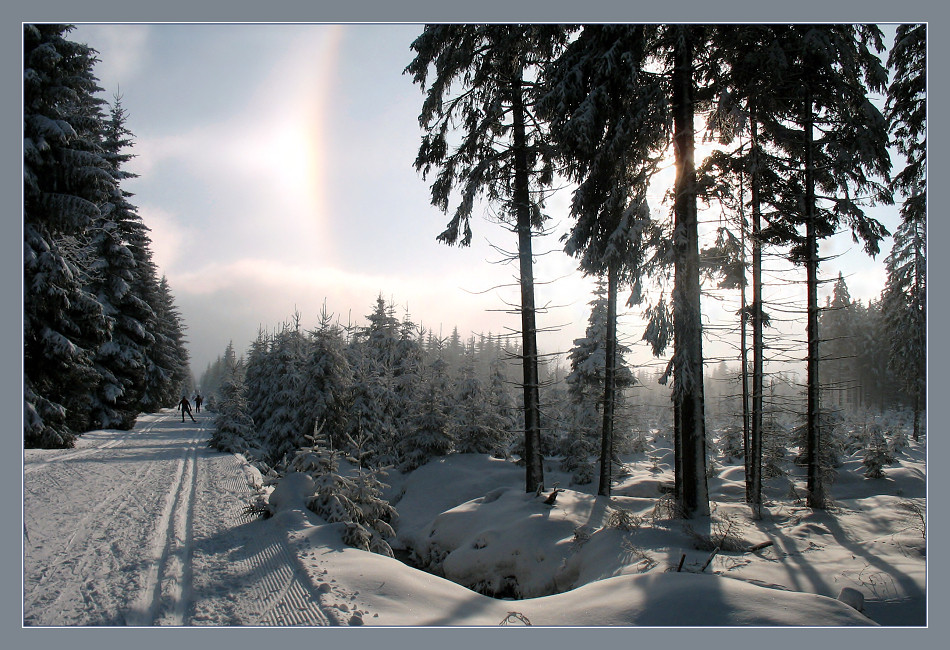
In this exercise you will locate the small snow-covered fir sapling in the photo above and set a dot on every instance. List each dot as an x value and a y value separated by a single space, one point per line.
352 501
712 463
775 450
834 441
876 455
730 443
637 442
897 441
234 429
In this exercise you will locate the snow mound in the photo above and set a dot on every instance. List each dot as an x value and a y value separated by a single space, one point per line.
292 492
507 543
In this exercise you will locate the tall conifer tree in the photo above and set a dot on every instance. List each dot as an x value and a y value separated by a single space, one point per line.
609 119
482 74
66 179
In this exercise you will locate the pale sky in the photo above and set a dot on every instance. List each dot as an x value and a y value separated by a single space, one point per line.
275 166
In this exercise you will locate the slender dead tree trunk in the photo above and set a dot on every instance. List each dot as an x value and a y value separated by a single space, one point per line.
757 337
610 385
688 355
816 496
534 466
920 265
744 350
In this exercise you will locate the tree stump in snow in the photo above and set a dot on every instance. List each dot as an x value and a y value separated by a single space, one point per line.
852 597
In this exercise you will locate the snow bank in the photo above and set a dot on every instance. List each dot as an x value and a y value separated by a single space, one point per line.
383 591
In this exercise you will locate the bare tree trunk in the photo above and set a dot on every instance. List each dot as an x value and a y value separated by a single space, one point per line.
687 324
917 401
610 385
744 353
757 337
534 466
920 265
816 495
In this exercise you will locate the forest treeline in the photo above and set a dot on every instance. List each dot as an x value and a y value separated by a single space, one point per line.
102 338
397 394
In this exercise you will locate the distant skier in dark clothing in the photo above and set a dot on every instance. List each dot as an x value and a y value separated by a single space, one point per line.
185 407
197 402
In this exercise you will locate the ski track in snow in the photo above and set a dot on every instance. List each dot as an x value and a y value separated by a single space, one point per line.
147 528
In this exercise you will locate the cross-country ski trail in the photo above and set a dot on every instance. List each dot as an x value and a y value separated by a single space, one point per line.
145 527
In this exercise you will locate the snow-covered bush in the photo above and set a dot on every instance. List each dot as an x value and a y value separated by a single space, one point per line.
234 429
834 439
429 429
876 455
730 443
623 519
774 450
897 440
355 501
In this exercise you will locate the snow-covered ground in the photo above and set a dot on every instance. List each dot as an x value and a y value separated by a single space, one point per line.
145 528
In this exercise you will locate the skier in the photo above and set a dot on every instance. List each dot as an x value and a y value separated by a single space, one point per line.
197 402
185 406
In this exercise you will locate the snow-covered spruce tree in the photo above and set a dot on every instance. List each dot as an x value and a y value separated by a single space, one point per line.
407 371
157 371
905 296
338 498
837 322
380 337
371 399
210 381
66 179
374 401
875 377
284 427
476 429
482 74
327 380
255 376
907 115
116 283
119 361
840 140
234 429
876 454
731 443
169 354
502 409
586 384
905 314
376 515
429 432
609 121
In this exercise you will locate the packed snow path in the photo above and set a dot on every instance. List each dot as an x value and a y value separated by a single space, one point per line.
145 527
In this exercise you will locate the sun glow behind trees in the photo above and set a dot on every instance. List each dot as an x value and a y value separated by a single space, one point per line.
285 147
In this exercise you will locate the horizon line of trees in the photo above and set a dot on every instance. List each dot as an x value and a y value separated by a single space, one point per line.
103 340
